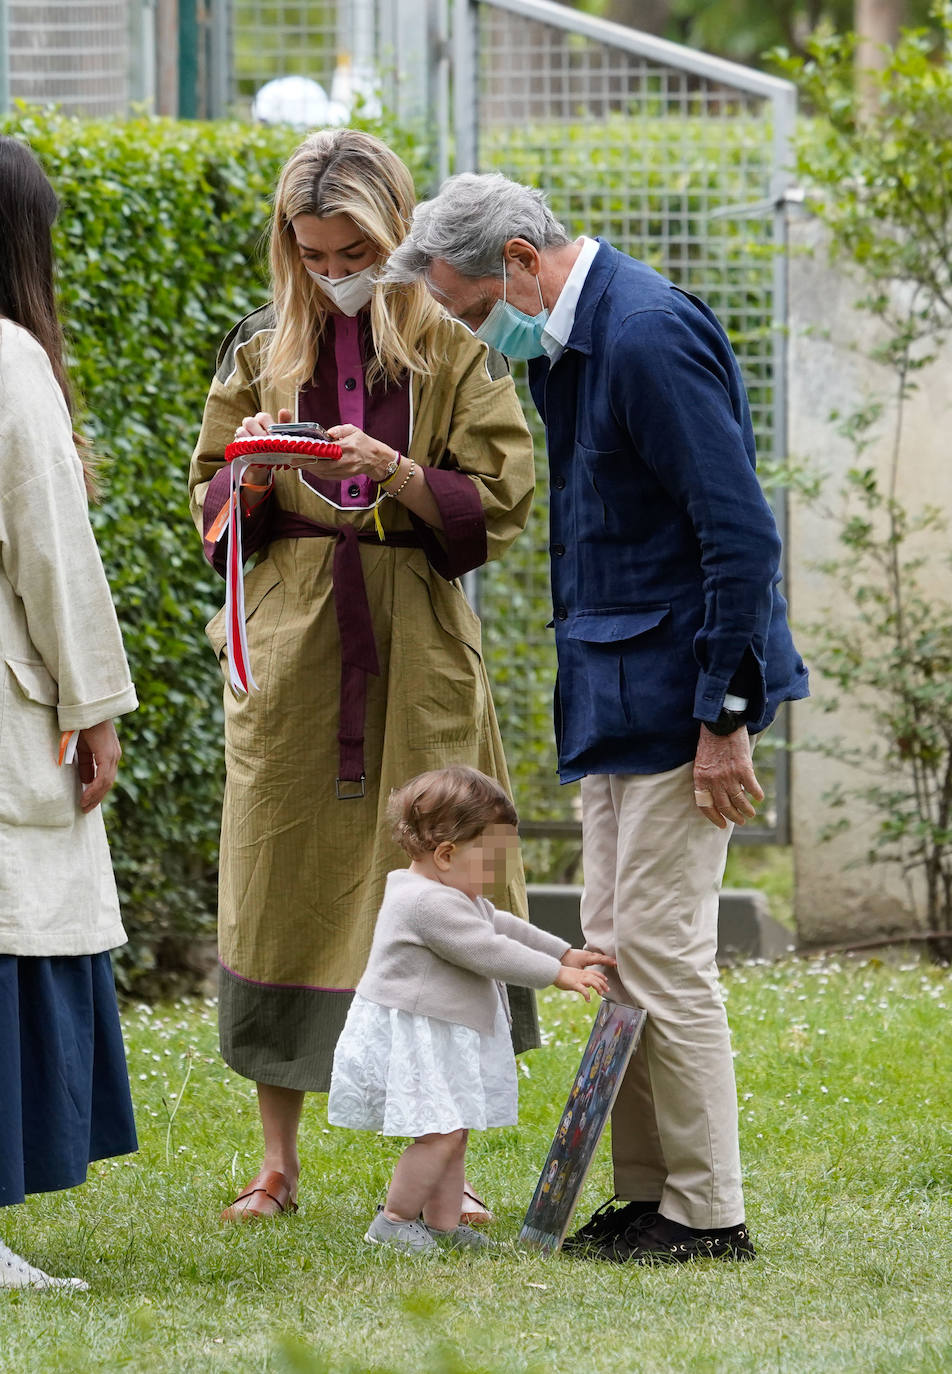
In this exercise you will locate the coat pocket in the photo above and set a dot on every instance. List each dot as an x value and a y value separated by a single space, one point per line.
613 627
613 673
34 790
447 701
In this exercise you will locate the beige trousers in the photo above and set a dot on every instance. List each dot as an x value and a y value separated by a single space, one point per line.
653 868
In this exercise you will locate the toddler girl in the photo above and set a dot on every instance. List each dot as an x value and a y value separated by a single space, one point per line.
426 1050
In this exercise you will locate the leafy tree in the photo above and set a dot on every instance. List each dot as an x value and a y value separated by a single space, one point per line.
744 29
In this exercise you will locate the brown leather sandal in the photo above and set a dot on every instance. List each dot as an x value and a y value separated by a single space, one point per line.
474 1211
274 1186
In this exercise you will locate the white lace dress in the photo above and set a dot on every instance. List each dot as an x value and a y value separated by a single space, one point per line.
410 1075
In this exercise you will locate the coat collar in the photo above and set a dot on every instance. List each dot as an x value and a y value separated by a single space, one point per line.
596 284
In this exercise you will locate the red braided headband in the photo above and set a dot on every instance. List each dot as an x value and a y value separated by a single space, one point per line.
280 443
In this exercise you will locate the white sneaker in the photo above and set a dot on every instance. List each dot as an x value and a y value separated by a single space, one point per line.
15 1272
411 1237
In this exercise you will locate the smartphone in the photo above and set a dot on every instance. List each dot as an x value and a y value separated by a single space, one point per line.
308 429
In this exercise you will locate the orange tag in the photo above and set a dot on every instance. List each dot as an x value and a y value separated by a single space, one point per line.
218 524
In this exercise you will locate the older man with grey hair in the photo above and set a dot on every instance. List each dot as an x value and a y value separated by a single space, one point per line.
673 651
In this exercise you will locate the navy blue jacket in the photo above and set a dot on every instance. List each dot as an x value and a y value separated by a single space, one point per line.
664 553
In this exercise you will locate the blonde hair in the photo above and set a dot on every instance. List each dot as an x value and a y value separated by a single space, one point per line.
346 172
447 804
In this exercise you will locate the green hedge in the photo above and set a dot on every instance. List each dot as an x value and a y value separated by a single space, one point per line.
159 246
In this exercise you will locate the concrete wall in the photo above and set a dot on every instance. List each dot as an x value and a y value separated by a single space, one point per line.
839 895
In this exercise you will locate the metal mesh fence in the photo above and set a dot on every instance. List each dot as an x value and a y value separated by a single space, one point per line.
73 54
331 43
272 38
652 156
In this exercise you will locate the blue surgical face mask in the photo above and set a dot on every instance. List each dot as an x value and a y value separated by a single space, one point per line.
513 332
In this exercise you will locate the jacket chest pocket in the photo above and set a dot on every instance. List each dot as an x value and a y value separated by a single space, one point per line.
608 495
34 790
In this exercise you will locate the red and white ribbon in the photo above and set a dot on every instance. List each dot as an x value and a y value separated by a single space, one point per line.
271 451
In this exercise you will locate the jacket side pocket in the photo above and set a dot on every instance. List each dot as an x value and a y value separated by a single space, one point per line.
34 790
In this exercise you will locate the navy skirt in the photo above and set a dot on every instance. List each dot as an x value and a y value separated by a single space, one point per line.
64 1088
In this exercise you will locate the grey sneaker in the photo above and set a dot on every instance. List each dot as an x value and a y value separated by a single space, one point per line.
411 1237
462 1238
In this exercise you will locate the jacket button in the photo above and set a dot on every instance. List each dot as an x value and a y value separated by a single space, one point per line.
561 613
558 550
558 482
353 491
350 383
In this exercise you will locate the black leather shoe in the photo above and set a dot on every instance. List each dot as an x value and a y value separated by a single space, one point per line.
605 1225
668 1242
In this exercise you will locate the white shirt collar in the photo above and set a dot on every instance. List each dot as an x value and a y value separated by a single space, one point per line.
559 325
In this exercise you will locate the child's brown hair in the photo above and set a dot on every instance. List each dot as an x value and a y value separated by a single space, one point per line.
446 804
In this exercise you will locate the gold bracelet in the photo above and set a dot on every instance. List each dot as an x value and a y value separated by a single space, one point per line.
397 490
391 472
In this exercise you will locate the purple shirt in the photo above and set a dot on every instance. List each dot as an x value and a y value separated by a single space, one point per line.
338 395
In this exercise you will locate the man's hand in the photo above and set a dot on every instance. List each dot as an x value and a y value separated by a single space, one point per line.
97 753
724 778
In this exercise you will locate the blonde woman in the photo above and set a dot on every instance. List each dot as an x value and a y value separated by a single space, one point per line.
366 650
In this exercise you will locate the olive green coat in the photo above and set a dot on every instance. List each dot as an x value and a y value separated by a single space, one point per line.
302 873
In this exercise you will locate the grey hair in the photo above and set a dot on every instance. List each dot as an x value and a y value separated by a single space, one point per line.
469 222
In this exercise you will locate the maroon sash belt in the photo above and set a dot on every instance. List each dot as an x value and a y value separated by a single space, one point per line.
358 651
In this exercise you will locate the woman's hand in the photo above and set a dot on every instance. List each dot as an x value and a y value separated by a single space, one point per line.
361 455
580 980
582 958
98 753
254 426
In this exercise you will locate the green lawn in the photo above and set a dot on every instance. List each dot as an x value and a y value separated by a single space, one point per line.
846 1096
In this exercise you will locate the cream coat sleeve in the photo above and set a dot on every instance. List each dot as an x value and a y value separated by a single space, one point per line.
55 604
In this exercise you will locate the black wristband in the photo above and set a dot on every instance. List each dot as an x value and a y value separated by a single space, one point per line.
727 722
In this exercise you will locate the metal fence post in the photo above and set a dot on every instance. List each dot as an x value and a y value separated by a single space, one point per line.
188 59
403 58
219 60
784 117
465 56
439 95
142 21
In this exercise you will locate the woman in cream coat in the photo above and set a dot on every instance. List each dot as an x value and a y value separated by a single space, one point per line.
64 1089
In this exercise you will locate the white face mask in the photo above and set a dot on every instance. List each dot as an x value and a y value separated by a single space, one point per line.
349 294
